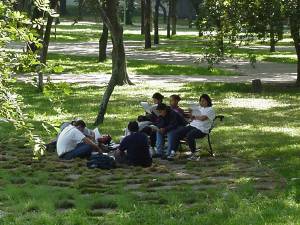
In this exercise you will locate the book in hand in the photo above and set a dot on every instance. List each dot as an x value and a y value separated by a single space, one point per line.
195 110
149 108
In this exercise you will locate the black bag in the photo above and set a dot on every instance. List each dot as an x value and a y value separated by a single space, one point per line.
101 161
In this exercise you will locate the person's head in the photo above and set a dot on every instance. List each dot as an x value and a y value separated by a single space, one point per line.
79 124
174 100
157 98
162 109
133 126
205 101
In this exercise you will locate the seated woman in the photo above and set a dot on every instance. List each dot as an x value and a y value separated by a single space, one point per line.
136 146
174 100
201 121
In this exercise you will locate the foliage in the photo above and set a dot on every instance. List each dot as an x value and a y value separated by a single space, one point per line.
14 26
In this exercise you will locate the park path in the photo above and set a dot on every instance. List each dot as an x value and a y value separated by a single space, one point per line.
266 71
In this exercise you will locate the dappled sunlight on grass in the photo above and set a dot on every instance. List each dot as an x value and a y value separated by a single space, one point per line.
253 103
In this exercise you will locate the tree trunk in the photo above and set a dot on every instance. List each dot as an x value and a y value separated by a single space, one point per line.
142 17
129 12
174 16
272 39
164 12
46 38
103 44
156 23
119 69
147 24
169 20
31 46
80 9
220 37
63 7
295 32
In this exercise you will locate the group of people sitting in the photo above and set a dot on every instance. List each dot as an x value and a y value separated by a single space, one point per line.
145 138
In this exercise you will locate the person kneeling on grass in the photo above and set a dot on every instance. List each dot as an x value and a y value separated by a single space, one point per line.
169 122
73 143
202 118
136 145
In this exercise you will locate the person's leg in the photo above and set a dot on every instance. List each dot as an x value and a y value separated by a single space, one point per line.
153 139
159 143
171 141
178 135
192 135
82 151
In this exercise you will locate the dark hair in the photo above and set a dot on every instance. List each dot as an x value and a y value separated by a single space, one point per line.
161 106
158 96
133 126
79 123
207 98
176 97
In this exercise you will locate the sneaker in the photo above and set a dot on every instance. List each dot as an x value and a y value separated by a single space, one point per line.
164 157
171 156
193 157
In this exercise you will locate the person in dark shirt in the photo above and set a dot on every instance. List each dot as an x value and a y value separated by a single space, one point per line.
169 122
174 100
136 146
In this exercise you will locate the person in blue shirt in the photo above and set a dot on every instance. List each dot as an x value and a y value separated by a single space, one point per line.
135 147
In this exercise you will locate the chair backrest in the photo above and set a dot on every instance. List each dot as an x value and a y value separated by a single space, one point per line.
218 117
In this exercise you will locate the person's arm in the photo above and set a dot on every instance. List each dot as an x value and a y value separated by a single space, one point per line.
201 118
173 123
90 142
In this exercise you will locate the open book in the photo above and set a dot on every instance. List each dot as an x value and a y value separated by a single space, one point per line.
149 108
195 109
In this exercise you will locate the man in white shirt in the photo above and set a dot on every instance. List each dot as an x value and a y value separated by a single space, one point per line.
73 143
199 126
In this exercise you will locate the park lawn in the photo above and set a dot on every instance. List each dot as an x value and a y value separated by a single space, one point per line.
88 64
258 128
179 43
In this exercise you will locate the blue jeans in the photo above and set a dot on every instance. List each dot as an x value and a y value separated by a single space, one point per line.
160 141
191 134
82 151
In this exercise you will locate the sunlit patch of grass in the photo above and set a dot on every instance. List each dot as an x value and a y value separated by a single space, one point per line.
88 64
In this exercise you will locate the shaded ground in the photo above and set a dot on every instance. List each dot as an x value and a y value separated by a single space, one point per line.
224 171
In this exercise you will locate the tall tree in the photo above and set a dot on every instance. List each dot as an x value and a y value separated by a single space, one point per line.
63 7
174 17
169 19
163 8
142 17
292 9
147 24
110 17
46 37
156 22
129 12
103 40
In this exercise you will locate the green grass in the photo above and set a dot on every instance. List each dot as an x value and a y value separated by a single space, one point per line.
260 127
191 44
88 64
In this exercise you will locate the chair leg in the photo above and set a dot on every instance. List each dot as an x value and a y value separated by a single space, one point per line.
210 147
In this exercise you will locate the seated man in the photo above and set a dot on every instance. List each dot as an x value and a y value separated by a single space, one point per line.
136 145
202 118
169 121
73 143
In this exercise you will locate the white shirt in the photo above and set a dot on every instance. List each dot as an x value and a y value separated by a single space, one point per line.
68 139
205 125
